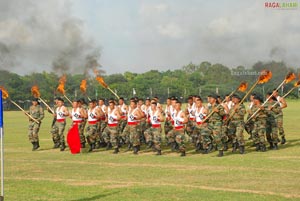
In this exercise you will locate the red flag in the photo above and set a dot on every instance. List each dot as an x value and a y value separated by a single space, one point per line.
73 139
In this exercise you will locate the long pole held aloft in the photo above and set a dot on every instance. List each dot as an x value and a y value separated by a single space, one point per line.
26 113
1 148
51 110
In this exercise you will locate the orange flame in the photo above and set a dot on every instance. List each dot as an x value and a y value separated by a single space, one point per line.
83 86
297 84
243 86
265 76
61 86
35 91
289 77
101 81
4 92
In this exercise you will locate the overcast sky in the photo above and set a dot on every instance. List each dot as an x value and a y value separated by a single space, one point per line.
137 36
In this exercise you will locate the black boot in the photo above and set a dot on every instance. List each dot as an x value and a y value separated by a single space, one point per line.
158 152
63 146
263 147
283 140
182 153
150 145
220 153
242 149
92 147
109 146
257 147
205 151
175 146
56 145
234 146
275 146
135 150
33 146
198 147
116 151
271 145
37 145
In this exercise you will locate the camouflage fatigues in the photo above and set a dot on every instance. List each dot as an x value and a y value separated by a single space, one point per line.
236 125
58 131
91 133
271 124
154 135
202 135
133 133
215 125
37 112
111 135
259 129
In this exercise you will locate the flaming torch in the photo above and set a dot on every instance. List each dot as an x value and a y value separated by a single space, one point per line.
288 78
5 96
83 88
101 81
296 85
264 77
61 87
242 87
36 93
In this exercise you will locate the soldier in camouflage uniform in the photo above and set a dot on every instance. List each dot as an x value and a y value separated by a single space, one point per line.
134 114
215 123
91 129
236 124
190 112
153 134
250 124
58 129
37 112
279 118
142 125
180 119
273 110
259 129
101 125
201 132
170 136
111 131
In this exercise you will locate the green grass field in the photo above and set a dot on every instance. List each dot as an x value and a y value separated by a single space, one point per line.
49 174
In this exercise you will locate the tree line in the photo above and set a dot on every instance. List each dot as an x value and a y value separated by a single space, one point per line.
197 79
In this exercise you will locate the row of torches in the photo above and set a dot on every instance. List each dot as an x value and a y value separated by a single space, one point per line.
264 77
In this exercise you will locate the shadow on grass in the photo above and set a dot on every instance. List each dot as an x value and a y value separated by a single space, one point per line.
96 197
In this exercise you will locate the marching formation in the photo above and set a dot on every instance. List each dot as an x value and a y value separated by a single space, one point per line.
213 124
141 122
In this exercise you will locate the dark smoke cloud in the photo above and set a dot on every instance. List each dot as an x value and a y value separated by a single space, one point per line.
43 35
